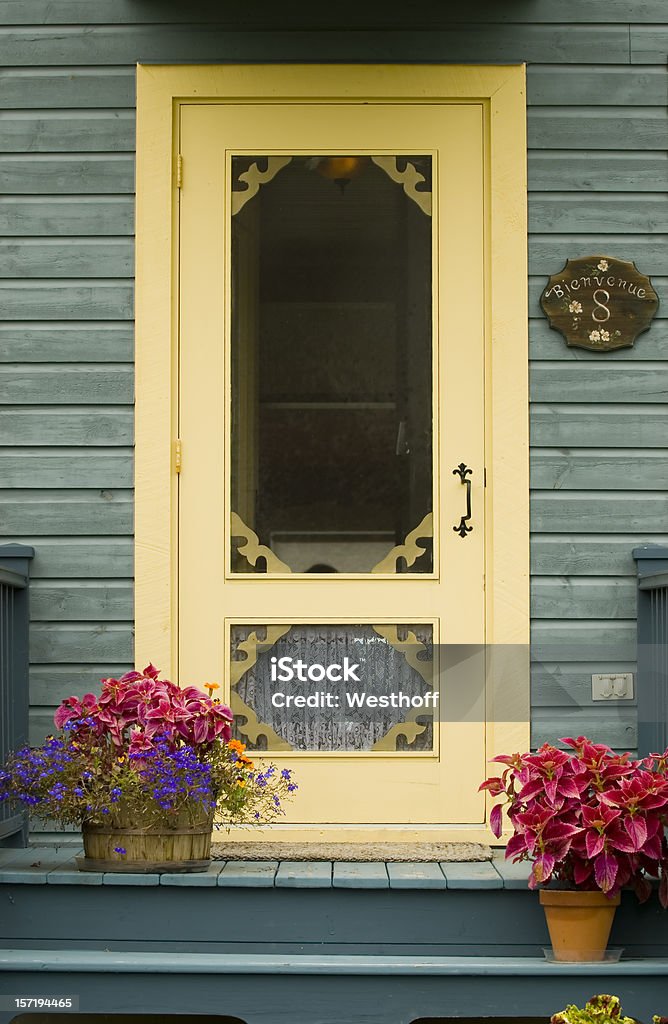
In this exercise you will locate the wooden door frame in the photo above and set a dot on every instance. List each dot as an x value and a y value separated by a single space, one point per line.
501 91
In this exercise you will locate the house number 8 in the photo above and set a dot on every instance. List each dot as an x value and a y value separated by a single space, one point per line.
605 312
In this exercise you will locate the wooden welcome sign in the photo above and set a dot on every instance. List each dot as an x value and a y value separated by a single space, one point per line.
599 303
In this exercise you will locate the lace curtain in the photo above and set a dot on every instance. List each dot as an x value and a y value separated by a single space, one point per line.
382 671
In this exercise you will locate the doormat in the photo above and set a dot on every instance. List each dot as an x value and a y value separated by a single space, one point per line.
393 852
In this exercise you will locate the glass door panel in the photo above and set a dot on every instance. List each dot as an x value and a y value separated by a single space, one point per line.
331 362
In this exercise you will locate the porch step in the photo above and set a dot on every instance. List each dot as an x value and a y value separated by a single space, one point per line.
57 866
164 962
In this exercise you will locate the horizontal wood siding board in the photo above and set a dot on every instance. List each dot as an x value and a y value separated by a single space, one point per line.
581 382
67 258
44 88
127 44
302 14
649 43
84 300
584 640
557 685
65 513
597 128
599 469
633 512
51 684
615 726
573 555
66 384
564 170
67 341
54 642
560 597
78 426
596 426
548 253
82 557
58 131
40 725
97 467
596 86
602 214
68 174
52 216
546 343
81 601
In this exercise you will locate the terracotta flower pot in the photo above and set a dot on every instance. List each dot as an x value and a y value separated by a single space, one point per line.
579 923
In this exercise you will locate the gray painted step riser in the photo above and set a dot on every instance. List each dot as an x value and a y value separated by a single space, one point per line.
382 916
302 1000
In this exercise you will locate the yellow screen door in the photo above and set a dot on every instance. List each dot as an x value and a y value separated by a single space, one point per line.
331 414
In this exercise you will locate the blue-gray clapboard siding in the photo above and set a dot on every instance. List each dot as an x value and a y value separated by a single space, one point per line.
597 120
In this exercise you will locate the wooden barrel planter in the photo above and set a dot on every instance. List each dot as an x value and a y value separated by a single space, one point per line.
184 845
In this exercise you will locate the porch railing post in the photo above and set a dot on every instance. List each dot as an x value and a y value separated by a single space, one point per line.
652 677
14 698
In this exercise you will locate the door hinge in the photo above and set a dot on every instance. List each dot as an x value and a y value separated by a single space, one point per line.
177 455
179 171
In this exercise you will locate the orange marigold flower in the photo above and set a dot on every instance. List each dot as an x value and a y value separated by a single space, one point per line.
236 747
211 687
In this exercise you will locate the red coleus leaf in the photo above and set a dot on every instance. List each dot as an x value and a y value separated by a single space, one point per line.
129 677
513 760
543 868
594 843
606 867
517 845
600 816
533 788
582 870
200 730
494 786
495 820
572 786
620 839
653 847
636 829
551 789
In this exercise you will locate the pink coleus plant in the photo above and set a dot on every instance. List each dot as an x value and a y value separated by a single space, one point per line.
587 817
133 710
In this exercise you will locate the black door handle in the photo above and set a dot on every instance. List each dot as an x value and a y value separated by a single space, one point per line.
462 471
